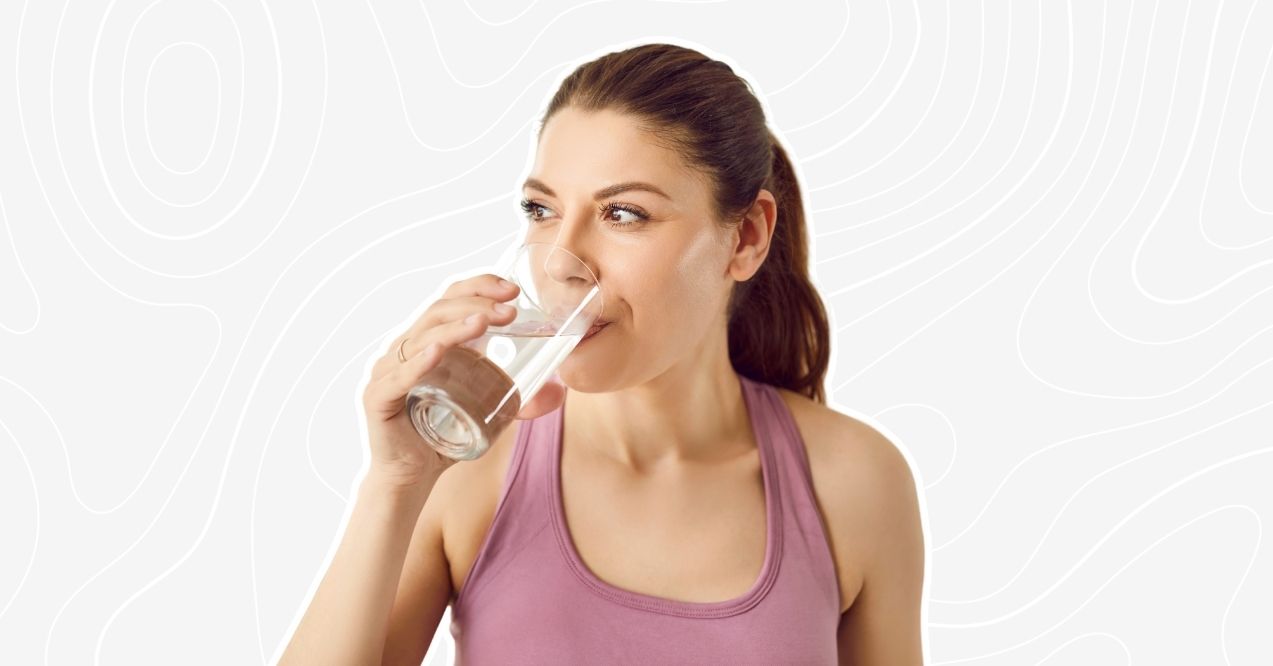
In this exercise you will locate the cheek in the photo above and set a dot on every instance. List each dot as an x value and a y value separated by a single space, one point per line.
678 285
698 274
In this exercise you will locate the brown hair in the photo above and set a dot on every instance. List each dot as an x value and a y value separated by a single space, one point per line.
698 107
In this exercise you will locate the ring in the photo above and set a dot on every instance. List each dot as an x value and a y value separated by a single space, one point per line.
401 358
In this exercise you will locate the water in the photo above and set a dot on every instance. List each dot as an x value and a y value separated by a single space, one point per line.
477 389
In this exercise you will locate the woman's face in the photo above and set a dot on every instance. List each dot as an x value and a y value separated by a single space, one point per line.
662 262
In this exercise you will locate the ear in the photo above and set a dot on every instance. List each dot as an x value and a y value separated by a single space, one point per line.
752 236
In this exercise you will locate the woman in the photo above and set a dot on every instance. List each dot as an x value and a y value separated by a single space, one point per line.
683 495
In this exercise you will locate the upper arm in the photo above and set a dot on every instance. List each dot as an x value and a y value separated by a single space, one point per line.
424 589
883 625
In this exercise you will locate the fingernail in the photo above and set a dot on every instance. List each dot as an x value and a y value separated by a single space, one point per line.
503 308
472 319
505 283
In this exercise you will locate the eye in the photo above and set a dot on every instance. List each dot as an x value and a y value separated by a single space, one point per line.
608 211
529 207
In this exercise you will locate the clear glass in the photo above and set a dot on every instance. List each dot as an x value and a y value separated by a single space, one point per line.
475 392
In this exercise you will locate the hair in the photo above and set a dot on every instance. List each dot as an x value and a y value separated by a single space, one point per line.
698 107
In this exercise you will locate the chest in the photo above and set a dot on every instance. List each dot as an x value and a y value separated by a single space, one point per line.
698 535
693 534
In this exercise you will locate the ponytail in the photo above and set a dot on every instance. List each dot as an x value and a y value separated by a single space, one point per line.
778 328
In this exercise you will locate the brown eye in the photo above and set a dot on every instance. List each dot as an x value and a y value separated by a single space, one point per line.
610 209
529 208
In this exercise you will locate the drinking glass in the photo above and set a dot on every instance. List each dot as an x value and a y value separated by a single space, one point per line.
461 405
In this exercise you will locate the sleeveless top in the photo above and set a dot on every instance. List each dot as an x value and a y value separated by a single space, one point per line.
529 598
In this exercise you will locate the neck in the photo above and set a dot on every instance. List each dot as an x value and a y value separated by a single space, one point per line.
693 412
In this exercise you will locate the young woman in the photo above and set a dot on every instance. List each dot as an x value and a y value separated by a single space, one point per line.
684 495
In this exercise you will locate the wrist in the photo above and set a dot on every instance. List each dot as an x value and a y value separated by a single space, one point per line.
400 484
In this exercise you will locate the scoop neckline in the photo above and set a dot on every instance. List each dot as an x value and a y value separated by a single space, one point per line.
706 609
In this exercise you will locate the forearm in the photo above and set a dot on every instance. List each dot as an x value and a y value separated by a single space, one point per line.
347 620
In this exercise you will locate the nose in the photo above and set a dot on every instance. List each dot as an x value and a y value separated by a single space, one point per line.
569 273
572 240
570 284
566 258
565 267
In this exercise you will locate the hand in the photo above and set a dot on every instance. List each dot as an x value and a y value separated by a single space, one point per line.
397 450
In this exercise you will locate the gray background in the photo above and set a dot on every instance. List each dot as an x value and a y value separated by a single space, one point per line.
1042 230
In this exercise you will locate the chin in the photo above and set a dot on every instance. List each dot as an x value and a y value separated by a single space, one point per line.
587 371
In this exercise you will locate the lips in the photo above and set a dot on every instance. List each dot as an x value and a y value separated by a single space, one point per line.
595 329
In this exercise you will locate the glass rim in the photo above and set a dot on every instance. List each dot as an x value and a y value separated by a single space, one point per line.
525 246
583 263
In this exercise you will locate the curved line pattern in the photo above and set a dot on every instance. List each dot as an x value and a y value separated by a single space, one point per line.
1048 218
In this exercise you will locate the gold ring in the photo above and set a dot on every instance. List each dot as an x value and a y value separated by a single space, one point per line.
401 358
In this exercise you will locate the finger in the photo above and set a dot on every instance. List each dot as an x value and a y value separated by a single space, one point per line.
442 312
384 393
451 309
452 330
383 400
486 284
495 313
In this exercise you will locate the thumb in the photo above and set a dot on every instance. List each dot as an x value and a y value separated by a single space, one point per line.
549 397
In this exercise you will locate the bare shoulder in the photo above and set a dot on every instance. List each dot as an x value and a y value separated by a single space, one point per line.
863 484
463 502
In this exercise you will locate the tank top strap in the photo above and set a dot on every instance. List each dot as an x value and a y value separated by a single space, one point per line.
805 531
521 513
782 432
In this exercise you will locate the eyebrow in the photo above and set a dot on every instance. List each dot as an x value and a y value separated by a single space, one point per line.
603 193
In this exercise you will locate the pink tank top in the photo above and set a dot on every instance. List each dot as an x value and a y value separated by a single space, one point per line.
529 598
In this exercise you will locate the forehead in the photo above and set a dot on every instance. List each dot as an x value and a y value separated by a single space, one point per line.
582 151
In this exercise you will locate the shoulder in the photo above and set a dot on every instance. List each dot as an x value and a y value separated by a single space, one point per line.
865 489
464 499
839 439
855 459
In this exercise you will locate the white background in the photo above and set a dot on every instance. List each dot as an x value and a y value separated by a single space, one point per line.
1043 231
